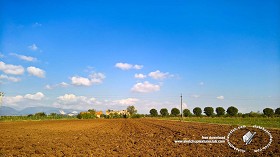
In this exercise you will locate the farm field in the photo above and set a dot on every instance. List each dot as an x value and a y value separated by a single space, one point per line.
126 137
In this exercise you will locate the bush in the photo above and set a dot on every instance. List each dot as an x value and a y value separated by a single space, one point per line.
187 113
268 112
137 116
220 111
277 111
197 111
164 112
175 112
209 111
86 116
40 114
153 112
232 111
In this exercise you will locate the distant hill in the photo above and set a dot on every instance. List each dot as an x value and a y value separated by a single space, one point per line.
5 111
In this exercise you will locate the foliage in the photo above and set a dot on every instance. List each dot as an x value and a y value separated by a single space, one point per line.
87 115
137 116
220 111
209 111
164 112
197 111
277 111
153 112
40 114
92 111
131 110
175 112
268 112
187 113
232 111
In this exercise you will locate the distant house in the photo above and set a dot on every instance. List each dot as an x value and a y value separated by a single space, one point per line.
120 112
98 113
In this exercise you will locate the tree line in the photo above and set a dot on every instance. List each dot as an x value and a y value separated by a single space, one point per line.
209 112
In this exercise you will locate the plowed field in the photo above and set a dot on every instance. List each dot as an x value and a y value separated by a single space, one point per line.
126 137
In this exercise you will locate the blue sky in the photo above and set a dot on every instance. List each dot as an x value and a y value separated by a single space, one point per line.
108 55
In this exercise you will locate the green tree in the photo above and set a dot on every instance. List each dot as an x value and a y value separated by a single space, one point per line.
175 111
232 111
187 113
132 110
209 111
164 112
197 111
40 114
220 111
92 111
268 112
153 112
277 111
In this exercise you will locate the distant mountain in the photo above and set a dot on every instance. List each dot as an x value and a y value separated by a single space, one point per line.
5 111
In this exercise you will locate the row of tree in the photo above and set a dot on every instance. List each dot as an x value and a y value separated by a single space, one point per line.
209 111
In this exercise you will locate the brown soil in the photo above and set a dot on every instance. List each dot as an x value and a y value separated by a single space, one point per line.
126 137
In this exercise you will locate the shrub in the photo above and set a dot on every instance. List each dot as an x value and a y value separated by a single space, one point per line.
187 112
197 111
40 114
164 112
277 111
209 111
153 112
268 112
220 111
232 111
175 111
137 116
86 116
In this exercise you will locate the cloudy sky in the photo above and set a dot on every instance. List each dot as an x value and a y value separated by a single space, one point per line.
108 55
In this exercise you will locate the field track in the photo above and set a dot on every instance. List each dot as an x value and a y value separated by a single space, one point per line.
123 137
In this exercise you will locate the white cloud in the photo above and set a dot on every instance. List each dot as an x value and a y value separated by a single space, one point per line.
36 24
95 78
138 67
75 102
62 84
157 75
36 96
36 72
201 83
128 101
26 58
1 55
11 69
48 87
20 101
126 66
33 47
140 76
12 100
145 87
195 96
9 78
80 81
220 97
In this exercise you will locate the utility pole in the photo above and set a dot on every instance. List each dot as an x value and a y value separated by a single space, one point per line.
181 107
